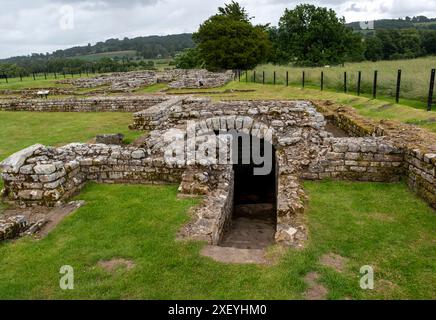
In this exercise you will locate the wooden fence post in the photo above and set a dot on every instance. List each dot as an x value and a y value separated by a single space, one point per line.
345 82
304 79
274 77
374 85
287 78
254 76
397 92
322 80
430 92
359 82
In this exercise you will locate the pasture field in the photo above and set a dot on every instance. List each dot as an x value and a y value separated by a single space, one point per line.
114 54
415 79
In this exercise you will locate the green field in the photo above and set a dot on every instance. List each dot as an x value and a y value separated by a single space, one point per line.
115 54
415 82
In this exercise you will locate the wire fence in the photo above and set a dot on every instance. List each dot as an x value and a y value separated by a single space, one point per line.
346 82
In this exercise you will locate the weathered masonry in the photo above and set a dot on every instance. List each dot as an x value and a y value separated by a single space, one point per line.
302 147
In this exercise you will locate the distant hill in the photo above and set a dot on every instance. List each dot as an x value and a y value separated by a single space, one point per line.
151 47
420 23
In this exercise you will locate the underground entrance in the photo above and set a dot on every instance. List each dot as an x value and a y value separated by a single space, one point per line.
254 218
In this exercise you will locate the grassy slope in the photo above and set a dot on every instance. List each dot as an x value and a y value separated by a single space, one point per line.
382 225
414 85
376 109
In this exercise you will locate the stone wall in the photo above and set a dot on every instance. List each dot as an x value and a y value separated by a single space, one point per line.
42 175
416 146
47 176
97 104
177 79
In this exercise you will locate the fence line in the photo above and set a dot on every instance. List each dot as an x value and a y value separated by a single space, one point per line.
374 92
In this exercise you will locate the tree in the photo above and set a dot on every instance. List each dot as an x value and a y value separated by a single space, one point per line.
374 49
429 41
315 36
189 59
228 40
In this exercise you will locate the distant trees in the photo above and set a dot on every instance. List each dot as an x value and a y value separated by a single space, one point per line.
189 59
390 44
228 40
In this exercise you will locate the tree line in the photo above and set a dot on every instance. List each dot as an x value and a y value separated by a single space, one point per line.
305 36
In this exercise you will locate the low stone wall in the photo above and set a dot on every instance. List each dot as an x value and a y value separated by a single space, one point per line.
421 176
177 79
214 215
416 146
98 104
47 176
197 79
357 159
151 118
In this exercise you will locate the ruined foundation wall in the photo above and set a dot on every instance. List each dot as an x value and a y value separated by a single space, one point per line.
416 146
98 104
46 176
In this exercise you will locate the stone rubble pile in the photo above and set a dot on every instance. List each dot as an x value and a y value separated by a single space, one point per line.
177 79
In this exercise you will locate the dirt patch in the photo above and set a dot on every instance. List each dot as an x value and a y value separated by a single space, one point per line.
42 220
235 255
334 261
115 264
385 107
315 290
385 286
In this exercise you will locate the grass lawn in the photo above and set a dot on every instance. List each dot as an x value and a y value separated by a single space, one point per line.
22 129
378 109
382 225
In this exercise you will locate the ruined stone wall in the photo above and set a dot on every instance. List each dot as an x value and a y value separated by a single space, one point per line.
177 79
416 146
421 176
98 104
357 159
45 176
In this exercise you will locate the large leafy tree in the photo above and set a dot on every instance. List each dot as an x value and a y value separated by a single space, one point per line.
314 36
228 40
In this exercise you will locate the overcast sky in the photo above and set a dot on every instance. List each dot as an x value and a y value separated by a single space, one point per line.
46 25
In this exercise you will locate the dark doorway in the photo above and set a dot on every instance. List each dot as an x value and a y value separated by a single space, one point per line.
254 215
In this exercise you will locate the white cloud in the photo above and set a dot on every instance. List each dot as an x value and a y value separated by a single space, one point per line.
33 26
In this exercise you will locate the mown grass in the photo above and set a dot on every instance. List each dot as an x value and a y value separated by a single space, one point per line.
152 88
415 82
22 129
376 109
382 225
